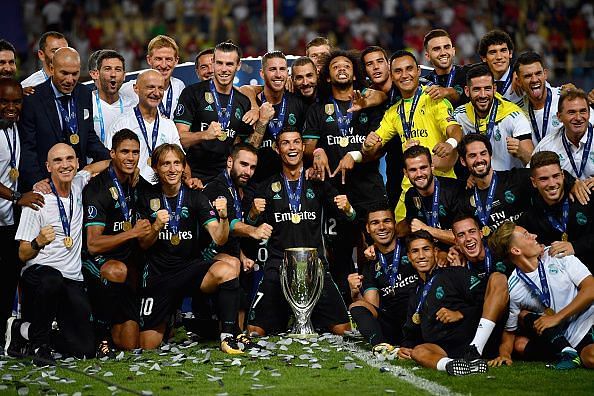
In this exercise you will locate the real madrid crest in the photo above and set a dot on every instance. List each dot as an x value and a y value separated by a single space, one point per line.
155 204
114 192
329 109
208 97
276 187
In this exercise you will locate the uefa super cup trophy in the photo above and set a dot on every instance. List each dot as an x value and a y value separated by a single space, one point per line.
302 280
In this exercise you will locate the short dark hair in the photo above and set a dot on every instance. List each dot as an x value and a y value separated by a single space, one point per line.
478 70
302 61
10 82
324 86
287 130
465 216
544 158
242 147
46 35
371 49
434 34
401 54
92 61
272 55
109 54
414 152
421 234
471 138
527 58
121 135
316 42
571 94
7 46
228 46
379 207
494 37
206 51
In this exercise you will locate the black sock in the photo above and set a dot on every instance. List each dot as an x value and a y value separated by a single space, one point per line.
554 335
228 305
368 325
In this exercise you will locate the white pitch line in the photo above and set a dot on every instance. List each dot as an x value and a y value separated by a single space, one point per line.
399 372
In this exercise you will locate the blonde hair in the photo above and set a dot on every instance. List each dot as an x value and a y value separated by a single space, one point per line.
500 241
162 41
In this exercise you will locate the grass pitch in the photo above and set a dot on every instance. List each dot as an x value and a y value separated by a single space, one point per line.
324 366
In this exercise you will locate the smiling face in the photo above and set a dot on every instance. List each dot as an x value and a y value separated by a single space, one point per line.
305 79
405 74
205 67
419 171
275 74
11 102
170 168
533 78
381 227
226 64
498 58
243 167
125 157
421 253
477 159
111 75
469 238
163 60
481 92
341 73
150 87
7 64
376 67
548 180
61 163
290 149
440 52
574 116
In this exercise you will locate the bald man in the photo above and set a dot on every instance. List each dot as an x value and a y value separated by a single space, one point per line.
60 111
50 241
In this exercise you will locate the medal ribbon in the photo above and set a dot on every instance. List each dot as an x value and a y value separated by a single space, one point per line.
451 75
488 259
150 147
235 195
585 154
100 114
560 226
63 217
543 296
545 116
491 123
483 212
343 121
69 116
166 110
407 124
11 147
507 82
174 218
426 289
392 270
223 113
121 197
433 217
294 196
276 124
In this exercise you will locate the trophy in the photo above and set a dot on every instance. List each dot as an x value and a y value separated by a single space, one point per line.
302 280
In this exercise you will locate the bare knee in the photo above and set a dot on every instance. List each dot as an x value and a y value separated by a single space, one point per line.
224 271
520 345
340 329
587 356
258 330
114 271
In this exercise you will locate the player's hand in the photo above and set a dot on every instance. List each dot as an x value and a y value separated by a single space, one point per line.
43 186
445 315
28 91
355 282
561 249
263 232
454 257
470 182
342 203
194 183
589 182
591 97
220 204
441 258
513 145
358 101
417 225
405 353
251 116
31 200
266 112
581 191
142 228
370 142
369 253
410 143
500 361
320 163
289 85
546 322
436 92
258 207
443 149
246 263
214 131
346 164
161 219
568 86
312 174
46 235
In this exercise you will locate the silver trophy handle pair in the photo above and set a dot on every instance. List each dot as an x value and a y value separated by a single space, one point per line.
302 281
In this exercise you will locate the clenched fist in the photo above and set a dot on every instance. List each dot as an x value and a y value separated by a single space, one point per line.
46 235
220 205
161 220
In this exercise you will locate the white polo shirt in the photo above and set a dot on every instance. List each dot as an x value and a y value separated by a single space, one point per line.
175 84
104 114
35 79
6 206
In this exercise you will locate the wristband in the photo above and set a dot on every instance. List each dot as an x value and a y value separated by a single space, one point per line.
35 245
452 142
357 156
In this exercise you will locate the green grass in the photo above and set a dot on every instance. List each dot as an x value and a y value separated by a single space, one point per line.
204 370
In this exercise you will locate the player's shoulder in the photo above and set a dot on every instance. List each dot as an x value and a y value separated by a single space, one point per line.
216 185
552 141
193 89
98 183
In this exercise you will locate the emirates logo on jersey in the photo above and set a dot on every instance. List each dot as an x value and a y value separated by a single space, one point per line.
288 216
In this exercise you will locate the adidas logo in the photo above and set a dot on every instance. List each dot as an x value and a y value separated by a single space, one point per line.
276 196
208 108
329 119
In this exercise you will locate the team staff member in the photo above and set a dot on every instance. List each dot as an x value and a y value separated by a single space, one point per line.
551 296
49 43
209 116
51 282
173 268
416 119
381 292
203 64
294 207
8 67
110 201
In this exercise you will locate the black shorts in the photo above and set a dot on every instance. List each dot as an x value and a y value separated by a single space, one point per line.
166 291
270 309
391 323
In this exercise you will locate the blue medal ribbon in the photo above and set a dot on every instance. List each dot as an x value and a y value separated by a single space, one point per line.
487 261
235 195
100 114
451 75
276 124
69 116
223 113
560 226
507 82
63 217
391 271
545 116
544 296
294 196
491 123
426 289
12 146
150 147
483 212
166 110
433 216
121 197
175 217
343 121
407 123
585 154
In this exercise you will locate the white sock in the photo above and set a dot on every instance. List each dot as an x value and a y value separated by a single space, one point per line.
25 330
442 363
483 332
225 335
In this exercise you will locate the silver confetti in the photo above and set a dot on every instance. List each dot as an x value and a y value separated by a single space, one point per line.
108 374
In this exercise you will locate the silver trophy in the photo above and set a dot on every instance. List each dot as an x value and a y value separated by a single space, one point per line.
302 280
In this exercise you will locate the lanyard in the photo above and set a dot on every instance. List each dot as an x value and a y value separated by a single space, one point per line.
166 111
585 154
426 289
69 117
121 196
11 146
63 217
235 195
560 226
344 121
543 296
491 124
433 216
545 116
451 75
507 82
100 114
223 113
294 196
483 212
174 218
276 124
150 147
392 270
488 259
407 124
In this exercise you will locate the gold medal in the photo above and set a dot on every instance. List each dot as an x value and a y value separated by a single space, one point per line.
68 242
486 231
13 174
223 136
127 226
295 218
276 187
74 139
564 237
472 201
148 161
344 141
155 204
549 311
175 240
416 318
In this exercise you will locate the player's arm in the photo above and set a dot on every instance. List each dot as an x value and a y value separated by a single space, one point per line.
366 98
371 149
445 236
372 297
265 114
97 167
97 243
506 347
438 92
147 240
519 144
29 199
28 250
219 230
243 230
189 138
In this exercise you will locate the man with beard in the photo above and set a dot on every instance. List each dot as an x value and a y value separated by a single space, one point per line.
502 122
203 64
295 207
108 104
416 119
449 79
317 50
209 116
7 60
564 225
163 55
305 78
49 43
573 142
382 290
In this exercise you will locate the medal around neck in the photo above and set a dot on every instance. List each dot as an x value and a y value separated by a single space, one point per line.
302 280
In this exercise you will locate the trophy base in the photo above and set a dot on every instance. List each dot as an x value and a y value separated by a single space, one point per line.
303 336
303 330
